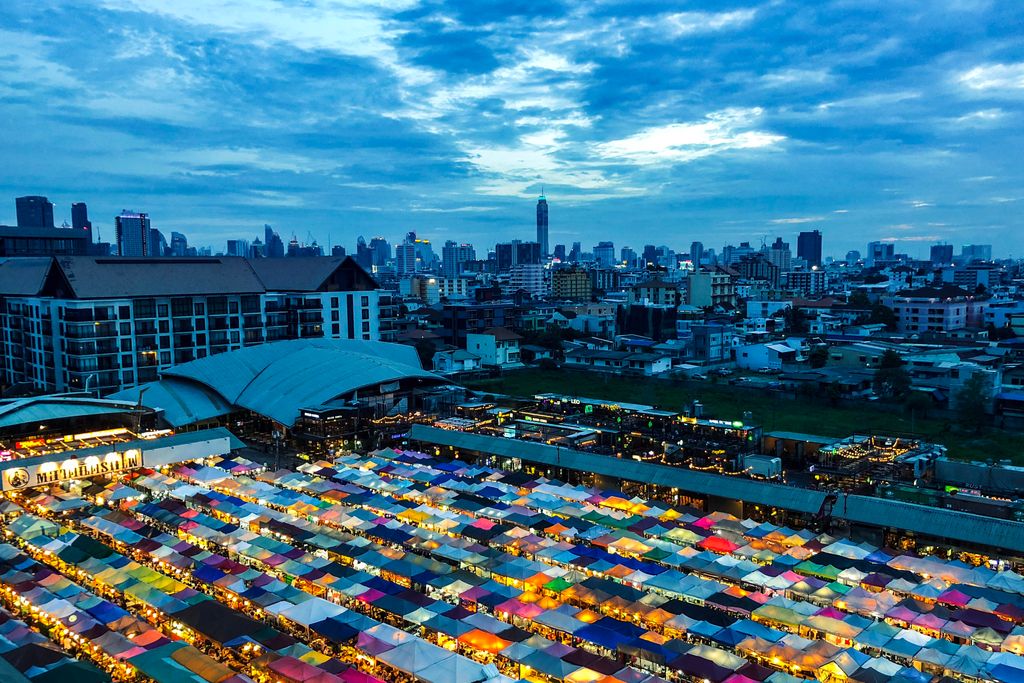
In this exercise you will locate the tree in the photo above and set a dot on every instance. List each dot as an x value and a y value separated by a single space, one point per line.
834 392
880 313
972 400
917 403
892 381
818 357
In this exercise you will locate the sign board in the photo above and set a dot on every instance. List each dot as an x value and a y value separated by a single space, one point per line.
43 474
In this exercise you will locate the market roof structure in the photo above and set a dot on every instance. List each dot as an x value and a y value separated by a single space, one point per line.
958 526
40 409
277 380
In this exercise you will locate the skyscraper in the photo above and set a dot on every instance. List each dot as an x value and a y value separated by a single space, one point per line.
34 212
238 248
976 252
179 244
454 256
132 233
696 252
779 254
405 256
157 245
604 253
80 219
542 226
273 245
941 254
380 251
808 247
560 252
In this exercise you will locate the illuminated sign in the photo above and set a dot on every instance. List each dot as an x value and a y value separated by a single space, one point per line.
42 474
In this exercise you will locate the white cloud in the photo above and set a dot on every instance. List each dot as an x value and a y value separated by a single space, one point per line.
797 221
688 23
729 129
994 77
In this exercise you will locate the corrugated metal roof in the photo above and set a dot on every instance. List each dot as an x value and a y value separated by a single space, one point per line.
181 401
40 409
957 526
280 378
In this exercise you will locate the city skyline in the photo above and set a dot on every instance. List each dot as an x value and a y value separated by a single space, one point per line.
376 119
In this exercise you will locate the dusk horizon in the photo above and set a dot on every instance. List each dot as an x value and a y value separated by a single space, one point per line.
679 122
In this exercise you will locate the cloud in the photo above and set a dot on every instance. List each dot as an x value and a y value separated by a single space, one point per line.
994 77
721 131
650 119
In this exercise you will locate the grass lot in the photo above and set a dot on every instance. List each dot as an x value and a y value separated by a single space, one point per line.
770 410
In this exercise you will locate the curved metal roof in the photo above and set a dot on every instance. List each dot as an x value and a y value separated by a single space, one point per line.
279 379
40 409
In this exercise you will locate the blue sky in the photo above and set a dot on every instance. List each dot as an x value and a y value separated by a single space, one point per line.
645 121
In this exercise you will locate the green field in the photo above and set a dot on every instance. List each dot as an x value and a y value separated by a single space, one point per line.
770 410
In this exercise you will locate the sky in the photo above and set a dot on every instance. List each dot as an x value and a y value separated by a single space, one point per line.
643 122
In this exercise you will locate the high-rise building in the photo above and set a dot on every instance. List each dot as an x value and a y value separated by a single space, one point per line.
34 212
179 244
976 252
604 253
143 315
132 233
650 254
780 255
529 277
157 245
513 253
405 258
696 252
238 248
808 247
337 250
80 219
454 257
628 257
560 252
852 256
881 252
732 254
941 254
380 251
364 256
542 226
576 254
571 283
273 245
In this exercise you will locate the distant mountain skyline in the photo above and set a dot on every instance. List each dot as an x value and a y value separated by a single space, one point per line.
644 122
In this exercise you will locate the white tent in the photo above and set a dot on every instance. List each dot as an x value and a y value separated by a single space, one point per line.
311 611
414 656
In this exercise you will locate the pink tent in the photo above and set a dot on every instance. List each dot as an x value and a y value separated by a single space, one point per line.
954 597
371 595
356 676
527 610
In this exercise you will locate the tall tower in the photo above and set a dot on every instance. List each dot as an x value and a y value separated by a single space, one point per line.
34 212
80 219
808 247
132 230
542 225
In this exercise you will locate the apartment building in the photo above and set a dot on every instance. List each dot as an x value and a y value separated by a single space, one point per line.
104 324
936 309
